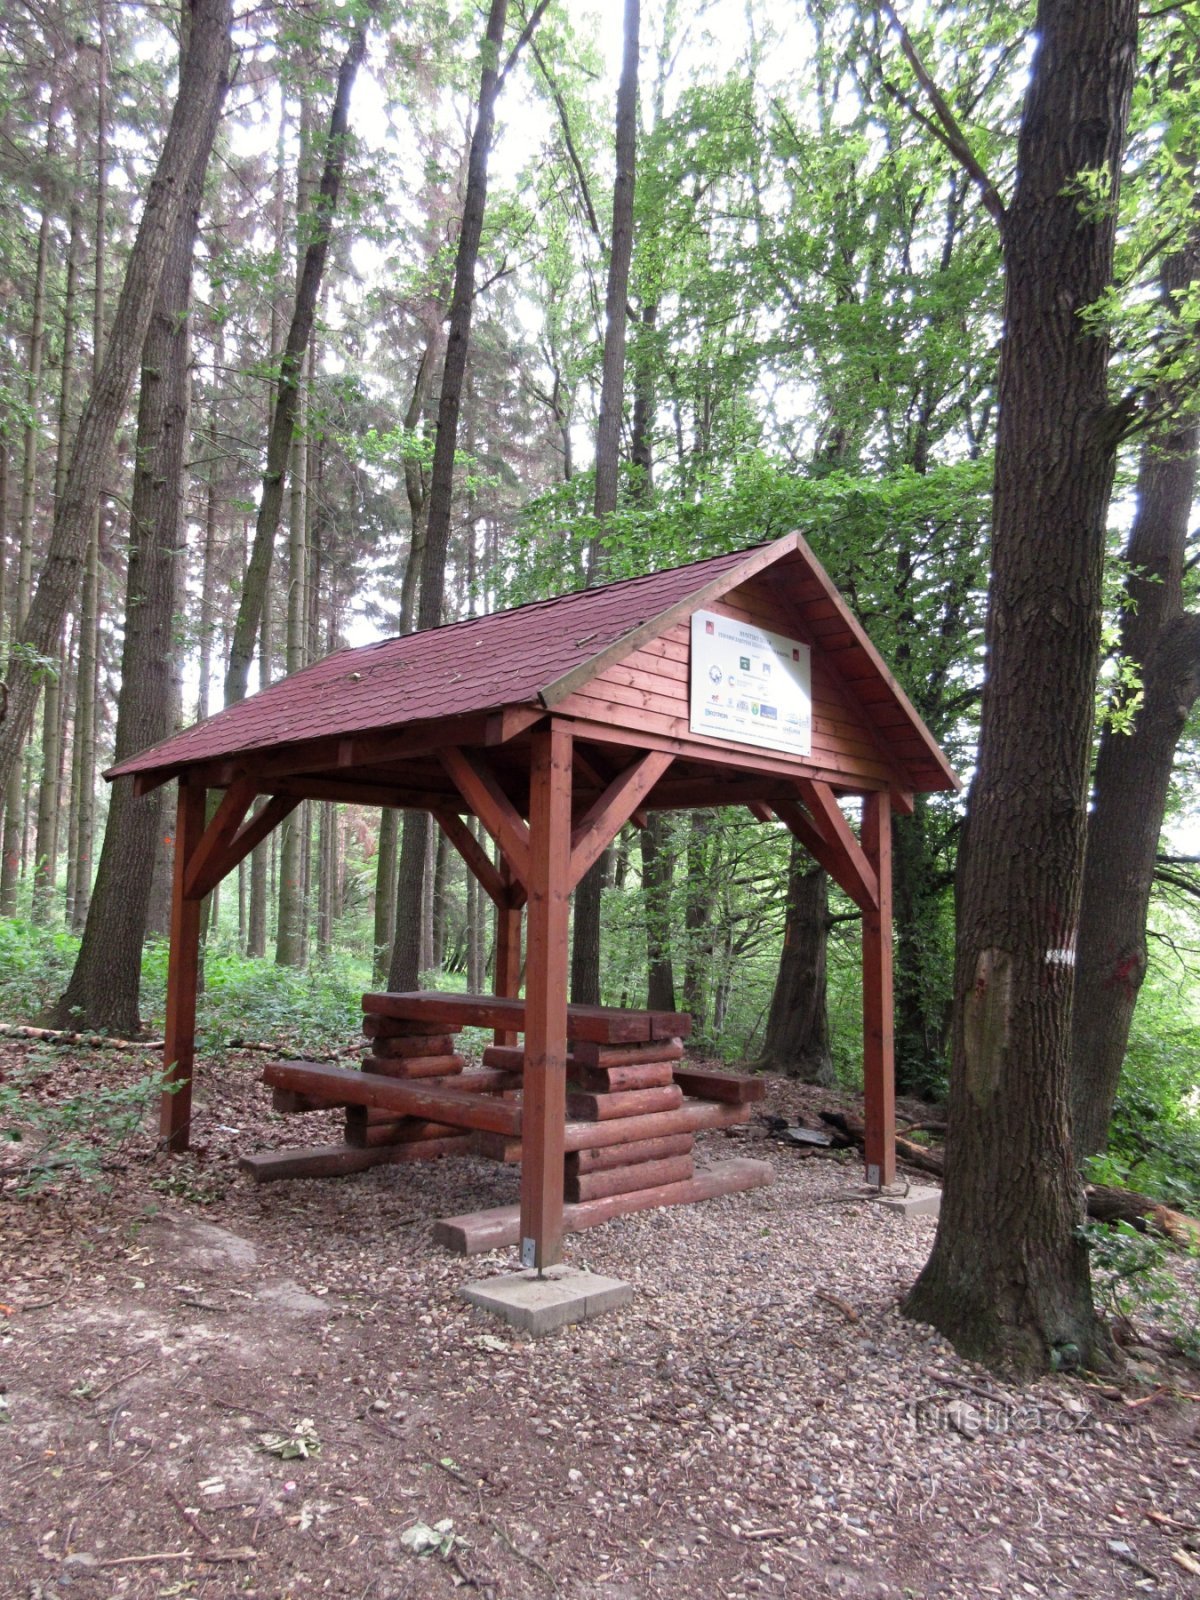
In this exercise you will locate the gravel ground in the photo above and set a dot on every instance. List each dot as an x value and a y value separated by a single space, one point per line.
761 1420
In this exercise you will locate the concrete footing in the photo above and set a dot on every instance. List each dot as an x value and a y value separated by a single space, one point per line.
540 1305
918 1200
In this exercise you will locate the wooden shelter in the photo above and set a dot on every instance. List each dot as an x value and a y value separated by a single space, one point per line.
740 680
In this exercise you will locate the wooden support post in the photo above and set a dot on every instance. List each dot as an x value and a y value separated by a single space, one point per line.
175 1115
507 982
879 1075
544 1102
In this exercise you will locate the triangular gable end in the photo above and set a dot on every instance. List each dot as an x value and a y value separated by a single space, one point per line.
866 731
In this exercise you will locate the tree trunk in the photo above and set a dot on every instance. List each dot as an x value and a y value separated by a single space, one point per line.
1008 1278
585 942
923 956
1133 768
104 987
14 801
291 367
441 487
796 1042
202 80
385 895
658 870
45 865
697 911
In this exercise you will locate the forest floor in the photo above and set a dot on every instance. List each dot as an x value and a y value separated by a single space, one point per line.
759 1421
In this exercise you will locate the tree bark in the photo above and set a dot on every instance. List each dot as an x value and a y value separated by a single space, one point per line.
585 940
104 987
657 874
1008 1279
1133 769
45 854
291 368
202 80
441 486
796 1042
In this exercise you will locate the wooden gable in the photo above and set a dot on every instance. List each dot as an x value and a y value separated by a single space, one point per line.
865 734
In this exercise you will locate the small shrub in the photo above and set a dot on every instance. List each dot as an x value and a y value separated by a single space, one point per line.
75 1137
35 963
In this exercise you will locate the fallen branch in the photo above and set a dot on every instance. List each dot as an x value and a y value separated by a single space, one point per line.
89 1041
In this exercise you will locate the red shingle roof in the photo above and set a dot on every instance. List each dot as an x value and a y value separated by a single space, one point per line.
535 655
478 665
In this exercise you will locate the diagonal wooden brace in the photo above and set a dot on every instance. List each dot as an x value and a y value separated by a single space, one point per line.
613 809
236 844
480 788
831 842
206 866
507 896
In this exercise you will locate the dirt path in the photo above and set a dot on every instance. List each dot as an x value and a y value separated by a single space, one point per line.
733 1432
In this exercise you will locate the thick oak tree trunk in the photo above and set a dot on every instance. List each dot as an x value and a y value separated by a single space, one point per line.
1008 1279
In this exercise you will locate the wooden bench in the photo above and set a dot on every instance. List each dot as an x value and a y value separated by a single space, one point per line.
456 1108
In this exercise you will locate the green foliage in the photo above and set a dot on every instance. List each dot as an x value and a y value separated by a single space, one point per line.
316 1009
1132 1277
1154 1139
35 963
68 1136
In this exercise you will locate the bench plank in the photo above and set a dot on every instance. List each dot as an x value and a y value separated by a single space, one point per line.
460 1108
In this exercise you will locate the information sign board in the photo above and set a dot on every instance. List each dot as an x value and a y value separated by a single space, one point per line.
750 685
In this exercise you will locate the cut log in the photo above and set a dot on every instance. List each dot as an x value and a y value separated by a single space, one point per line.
598 1024
629 1155
405 1045
613 1080
414 1066
333 1160
626 1180
493 1230
459 1108
733 1087
586 1054
378 1027
369 1125
692 1117
583 1107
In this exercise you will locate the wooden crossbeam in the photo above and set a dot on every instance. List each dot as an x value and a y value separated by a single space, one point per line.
480 788
613 809
506 896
